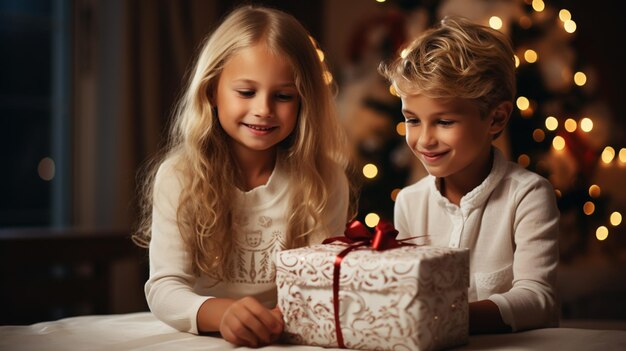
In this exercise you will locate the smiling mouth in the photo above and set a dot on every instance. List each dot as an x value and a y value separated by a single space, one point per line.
433 156
259 128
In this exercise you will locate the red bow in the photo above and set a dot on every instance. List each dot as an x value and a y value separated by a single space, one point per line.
357 235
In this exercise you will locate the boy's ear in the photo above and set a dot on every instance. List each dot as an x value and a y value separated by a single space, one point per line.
500 117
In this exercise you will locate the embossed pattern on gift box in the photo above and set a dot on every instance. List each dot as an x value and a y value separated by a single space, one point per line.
408 298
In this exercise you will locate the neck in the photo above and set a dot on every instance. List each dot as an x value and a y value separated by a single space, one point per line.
255 167
455 186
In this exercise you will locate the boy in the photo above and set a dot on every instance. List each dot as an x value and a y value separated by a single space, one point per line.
457 84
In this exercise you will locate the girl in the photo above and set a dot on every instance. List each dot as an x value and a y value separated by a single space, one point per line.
253 167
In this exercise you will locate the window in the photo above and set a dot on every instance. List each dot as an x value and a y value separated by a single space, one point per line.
34 112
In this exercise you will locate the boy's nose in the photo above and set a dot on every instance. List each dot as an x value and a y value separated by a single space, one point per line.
426 137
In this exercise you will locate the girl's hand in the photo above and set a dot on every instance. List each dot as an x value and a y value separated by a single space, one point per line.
246 322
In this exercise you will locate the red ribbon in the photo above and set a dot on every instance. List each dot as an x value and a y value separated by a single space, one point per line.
357 235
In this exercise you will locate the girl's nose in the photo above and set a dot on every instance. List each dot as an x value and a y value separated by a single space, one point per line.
262 106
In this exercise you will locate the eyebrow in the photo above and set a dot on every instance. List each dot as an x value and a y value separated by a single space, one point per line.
281 85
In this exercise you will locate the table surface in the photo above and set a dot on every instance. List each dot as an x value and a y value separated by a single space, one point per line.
142 331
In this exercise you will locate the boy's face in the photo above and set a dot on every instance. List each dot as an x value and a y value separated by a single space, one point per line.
448 136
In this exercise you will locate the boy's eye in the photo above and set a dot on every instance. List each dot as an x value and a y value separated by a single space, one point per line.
246 93
446 123
412 121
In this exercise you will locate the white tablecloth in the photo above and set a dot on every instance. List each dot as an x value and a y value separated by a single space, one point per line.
142 331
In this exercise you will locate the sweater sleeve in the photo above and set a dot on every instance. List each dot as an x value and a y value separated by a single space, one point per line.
169 289
532 302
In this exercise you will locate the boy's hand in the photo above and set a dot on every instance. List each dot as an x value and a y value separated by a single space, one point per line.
246 322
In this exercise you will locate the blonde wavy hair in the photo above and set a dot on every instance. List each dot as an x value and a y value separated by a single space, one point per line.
199 146
457 59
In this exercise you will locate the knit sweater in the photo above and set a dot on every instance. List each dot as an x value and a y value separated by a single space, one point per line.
510 224
175 294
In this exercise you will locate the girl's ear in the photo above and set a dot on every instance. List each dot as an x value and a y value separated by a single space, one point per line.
500 117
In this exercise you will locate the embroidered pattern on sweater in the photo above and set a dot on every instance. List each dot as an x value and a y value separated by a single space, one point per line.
254 246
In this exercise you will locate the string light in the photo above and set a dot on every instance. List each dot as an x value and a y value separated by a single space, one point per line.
608 154
622 155
401 128
602 233
372 219
538 5
370 171
580 79
586 124
588 208
570 26
522 103
394 194
531 56
539 135
558 143
552 123
523 160
495 22
594 191
570 125
616 218
565 15
516 59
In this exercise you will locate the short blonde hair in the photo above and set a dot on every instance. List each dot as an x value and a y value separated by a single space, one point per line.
457 59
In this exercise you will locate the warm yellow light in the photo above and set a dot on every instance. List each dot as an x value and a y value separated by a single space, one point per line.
570 125
394 194
558 143
328 77
380 0
495 22
616 218
393 91
320 54
538 135
570 26
589 208
46 168
608 154
522 103
595 191
580 79
565 15
538 5
602 233
370 171
622 155
516 60
401 128
523 160
531 56
552 123
372 219
586 124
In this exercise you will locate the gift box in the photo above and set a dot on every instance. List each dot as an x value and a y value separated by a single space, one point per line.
402 298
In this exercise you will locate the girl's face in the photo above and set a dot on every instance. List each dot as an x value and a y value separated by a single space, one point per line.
449 137
257 100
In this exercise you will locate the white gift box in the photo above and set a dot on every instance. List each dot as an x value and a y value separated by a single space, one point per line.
407 298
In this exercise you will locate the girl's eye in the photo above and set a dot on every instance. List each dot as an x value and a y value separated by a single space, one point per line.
246 93
284 97
446 123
